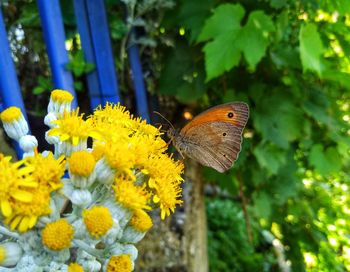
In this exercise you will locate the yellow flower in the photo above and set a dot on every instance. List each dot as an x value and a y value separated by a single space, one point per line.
48 171
81 163
58 235
98 221
60 101
141 221
74 267
121 263
11 114
25 215
14 184
10 254
72 128
14 123
118 155
129 195
168 195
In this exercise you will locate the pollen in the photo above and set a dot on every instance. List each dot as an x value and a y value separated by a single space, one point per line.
98 221
61 96
74 267
81 163
141 221
11 114
120 263
58 235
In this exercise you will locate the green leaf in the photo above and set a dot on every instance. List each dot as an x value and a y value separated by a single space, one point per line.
277 4
326 161
270 157
253 39
311 48
262 204
38 90
221 55
226 19
278 119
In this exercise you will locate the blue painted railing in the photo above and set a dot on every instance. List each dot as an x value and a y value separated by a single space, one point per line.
96 44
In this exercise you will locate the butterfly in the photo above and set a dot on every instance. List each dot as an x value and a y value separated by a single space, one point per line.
214 137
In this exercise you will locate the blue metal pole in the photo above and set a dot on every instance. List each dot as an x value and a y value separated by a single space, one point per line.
83 25
139 85
10 91
101 43
55 38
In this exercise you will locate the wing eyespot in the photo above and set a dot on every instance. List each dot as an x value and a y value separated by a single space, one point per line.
230 115
224 134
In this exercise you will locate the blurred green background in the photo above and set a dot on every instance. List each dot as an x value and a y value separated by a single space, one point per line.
285 205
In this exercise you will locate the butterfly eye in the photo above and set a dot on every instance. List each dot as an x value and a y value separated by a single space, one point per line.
230 115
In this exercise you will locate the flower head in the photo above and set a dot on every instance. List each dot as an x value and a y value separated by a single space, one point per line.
72 128
10 254
141 221
60 101
47 170
14 122
74 267
121 263
130 195
98 220
57 235
15 181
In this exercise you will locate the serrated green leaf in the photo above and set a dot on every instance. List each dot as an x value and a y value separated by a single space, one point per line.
225 20
311 48
325 161
253 38
221 55
270 157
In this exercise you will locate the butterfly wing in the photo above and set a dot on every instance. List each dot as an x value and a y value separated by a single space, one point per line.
235 113
214 137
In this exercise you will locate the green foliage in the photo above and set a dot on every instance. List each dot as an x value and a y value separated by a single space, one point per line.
44 85
229 247
290 61
230 39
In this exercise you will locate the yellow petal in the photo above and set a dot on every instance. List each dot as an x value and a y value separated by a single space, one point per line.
26 170
95 135
75 140
32 221
24 224
6 208
64 137
15 222
28 184
162 214
22 196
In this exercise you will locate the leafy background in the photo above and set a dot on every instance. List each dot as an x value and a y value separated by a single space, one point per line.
285 205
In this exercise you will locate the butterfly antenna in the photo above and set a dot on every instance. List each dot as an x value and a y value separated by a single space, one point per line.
164 119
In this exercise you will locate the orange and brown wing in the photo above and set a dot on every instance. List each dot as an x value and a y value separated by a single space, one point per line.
235 113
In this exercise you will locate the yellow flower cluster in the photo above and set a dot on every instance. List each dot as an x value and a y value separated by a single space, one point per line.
131 149
25 188
134 149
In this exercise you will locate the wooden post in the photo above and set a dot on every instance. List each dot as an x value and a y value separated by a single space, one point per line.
196 220
180 242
